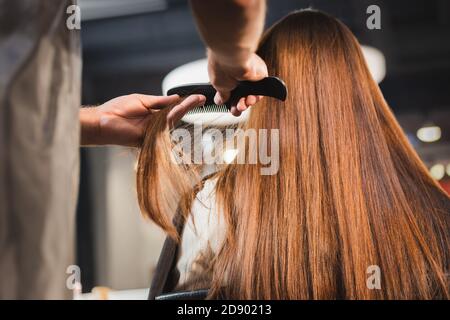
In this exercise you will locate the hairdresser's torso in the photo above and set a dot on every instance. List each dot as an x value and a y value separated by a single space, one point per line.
40 90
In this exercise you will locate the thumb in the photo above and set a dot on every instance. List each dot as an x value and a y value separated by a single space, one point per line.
158 102
178 111
257 69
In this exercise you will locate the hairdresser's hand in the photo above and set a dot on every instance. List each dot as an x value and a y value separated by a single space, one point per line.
226 72
122 121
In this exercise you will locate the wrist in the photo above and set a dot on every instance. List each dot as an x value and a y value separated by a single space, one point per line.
234 58
90 126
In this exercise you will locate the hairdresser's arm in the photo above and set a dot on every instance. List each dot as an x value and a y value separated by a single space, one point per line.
231 30
122 121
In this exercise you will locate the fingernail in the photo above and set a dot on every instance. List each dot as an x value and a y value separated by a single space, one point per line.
200 101
234 111
218 99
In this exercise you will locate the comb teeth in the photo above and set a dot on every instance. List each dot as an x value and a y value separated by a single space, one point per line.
213 108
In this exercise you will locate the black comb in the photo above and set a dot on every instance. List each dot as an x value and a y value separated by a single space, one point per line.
269 87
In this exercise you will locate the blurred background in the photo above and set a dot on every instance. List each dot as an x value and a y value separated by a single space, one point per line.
129 46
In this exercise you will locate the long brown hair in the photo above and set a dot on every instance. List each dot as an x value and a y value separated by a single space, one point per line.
350 192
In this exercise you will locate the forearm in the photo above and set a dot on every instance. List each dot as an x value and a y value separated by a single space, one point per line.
89 126
231 29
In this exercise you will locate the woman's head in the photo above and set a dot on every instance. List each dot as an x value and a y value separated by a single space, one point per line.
350 192
324 69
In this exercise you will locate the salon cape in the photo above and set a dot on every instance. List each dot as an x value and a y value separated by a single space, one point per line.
202 237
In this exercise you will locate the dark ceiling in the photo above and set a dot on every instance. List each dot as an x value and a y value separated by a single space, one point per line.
133 53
